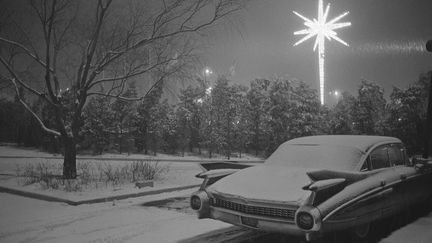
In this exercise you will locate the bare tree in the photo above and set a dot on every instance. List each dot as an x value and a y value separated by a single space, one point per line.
80 45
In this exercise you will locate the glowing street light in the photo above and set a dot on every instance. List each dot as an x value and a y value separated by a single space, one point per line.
335 93
321 28
207 71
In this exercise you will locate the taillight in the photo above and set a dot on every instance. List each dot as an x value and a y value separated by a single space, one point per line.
195 202
305 220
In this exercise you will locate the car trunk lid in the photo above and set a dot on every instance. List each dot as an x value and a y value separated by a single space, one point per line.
265 183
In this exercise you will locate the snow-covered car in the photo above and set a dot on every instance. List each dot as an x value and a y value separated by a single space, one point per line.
315 185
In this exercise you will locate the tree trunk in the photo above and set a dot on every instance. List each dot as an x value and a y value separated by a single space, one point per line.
69 162
120 139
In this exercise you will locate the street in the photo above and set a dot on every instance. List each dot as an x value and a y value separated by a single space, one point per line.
157 218
29 220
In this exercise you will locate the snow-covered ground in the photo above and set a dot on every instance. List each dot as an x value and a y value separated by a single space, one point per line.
29 220
177 175
10 150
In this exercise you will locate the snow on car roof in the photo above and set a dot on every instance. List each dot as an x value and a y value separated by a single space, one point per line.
342 152
361 142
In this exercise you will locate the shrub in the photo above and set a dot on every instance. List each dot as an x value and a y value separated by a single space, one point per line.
147 170
89 174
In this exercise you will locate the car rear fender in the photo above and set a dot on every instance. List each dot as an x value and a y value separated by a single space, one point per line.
359 198
326 183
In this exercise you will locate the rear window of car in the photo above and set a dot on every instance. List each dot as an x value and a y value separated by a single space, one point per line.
316 156
379 158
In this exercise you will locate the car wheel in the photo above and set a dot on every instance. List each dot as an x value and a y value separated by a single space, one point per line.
361 232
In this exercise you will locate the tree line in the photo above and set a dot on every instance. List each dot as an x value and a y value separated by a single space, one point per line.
226 119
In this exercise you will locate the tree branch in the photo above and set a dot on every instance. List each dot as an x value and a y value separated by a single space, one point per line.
132 73
50 131
94 40
27 51
22 83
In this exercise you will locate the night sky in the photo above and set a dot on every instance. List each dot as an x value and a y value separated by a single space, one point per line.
387 43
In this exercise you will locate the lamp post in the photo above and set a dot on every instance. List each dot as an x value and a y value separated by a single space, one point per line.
210 148
428 133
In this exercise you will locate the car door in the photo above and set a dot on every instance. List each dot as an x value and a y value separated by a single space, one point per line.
384 157
414 185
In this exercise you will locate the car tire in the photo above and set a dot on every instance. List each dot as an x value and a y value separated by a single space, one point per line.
360 233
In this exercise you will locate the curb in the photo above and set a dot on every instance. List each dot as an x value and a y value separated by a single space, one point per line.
94 200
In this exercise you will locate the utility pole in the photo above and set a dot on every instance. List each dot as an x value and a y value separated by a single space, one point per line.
428 132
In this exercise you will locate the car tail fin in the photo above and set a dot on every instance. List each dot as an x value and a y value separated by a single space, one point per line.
326 183
216 173
323 190
222 165
350 177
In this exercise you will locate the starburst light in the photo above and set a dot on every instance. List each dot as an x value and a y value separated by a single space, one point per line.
322 29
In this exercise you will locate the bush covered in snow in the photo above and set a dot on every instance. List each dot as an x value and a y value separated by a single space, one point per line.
90 174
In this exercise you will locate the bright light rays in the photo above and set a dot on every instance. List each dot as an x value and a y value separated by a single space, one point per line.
322 29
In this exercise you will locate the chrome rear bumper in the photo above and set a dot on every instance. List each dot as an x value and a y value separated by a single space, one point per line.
263 223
